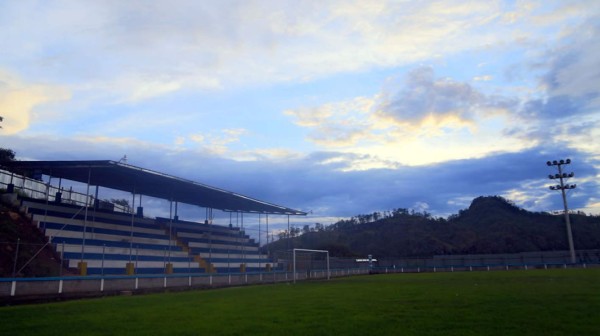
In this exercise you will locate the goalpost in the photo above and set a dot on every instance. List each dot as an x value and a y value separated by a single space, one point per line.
295 260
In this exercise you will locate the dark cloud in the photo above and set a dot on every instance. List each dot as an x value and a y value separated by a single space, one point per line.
440 186
422 95
320 181
573 68
556 107
571 78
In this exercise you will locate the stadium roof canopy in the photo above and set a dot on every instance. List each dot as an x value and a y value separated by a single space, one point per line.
120 176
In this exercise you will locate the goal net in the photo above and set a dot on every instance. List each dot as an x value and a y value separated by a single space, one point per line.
310 264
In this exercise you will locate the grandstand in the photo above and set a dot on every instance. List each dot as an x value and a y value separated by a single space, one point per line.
93 237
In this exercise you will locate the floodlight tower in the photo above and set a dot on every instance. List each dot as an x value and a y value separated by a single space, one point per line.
562 187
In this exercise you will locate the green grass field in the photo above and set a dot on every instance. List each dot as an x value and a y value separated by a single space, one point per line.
540 302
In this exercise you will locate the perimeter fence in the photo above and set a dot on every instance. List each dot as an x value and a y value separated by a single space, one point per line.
493 260
28 289
63 284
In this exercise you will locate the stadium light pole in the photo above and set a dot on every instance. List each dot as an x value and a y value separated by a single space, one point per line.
562 187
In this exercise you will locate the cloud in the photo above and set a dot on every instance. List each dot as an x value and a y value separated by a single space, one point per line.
566 110
218 142
417 120
432 136
136 51
555 107
19 101
338 124
483 78
571 75
422 97
318 181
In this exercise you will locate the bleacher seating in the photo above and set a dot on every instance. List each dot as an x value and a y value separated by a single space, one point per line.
113 240
225 248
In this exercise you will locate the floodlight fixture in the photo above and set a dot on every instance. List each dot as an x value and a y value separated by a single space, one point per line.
562 187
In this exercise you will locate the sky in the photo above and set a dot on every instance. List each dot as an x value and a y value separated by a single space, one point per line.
335 108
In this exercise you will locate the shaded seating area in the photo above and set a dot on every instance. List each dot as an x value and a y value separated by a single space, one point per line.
111 240
226 249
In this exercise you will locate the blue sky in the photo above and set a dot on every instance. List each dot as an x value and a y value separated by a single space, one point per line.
334 107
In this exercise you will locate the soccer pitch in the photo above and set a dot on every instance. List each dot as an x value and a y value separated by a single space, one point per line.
534 302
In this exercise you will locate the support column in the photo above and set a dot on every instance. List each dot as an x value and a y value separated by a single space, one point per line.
58 195
82 265
140 209
243 246
10 188
259 241
131 229
171 234
176 217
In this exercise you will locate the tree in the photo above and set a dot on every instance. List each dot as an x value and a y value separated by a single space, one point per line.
306 229
7 155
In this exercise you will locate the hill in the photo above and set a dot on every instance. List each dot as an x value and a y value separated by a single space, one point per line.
490 225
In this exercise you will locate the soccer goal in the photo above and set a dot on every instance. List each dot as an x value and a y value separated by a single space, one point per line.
311 262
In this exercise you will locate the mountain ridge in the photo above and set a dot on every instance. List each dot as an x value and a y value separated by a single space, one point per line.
491 224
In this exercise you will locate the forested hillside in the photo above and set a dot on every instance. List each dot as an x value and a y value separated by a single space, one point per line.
490 225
